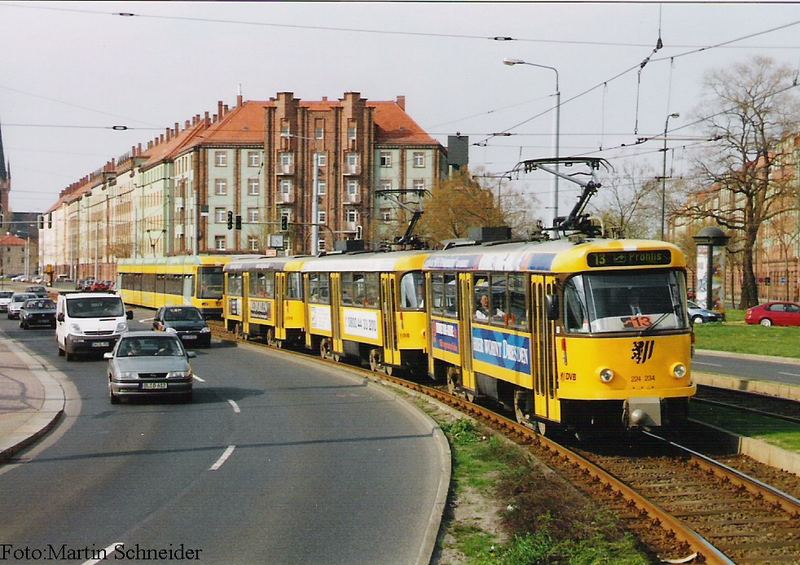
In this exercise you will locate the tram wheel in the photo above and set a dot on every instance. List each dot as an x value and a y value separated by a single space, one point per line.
453 380
374 360
271 337
325 348
523 406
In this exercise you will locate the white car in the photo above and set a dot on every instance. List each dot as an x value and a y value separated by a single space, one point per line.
5 298
17 300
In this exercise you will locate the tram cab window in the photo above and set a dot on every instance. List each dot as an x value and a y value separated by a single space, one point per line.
262 285
234 285
294 286
210 283
319 288
577 317
412 291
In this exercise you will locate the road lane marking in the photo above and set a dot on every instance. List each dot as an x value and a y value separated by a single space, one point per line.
709 364
222 458
789 374
195 377
107 551
235 406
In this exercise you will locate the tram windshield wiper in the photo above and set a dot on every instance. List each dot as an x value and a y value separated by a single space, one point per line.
652 326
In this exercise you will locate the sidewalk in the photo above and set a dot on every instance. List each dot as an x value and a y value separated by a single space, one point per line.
31 400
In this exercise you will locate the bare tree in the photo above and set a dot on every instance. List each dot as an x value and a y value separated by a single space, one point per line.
751 108
626 203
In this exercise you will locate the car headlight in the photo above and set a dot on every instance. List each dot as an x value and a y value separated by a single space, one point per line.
127 375
679 370
205 330
75 328
122 327
171 330
179 375
606 375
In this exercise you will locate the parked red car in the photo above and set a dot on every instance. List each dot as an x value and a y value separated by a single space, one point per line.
774 314
98 286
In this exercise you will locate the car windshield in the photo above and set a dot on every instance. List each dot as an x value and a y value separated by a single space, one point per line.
182 315
40 305
21 297
625 301
5 294
157 346
95 307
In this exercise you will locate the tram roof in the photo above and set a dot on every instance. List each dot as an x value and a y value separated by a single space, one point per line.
559 255
265 264
181 260
373 261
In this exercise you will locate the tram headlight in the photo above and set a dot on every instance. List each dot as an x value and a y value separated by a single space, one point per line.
606 375
679 370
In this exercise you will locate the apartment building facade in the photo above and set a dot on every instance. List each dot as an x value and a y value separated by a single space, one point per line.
320 165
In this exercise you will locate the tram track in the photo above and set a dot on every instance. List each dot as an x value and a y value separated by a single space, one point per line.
757 404
681 506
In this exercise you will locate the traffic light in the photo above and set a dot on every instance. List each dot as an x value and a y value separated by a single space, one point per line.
41 222
230 220
284 223
50 220
238 222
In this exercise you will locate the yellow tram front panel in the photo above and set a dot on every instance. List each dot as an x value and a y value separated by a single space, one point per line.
642 365
363 325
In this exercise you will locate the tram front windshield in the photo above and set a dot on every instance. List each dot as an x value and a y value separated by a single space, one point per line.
210 283
626 302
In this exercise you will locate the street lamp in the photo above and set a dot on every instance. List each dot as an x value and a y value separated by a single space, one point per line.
511 63
664 174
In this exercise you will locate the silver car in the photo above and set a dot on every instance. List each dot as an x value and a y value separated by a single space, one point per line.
149 363
17 300
5 299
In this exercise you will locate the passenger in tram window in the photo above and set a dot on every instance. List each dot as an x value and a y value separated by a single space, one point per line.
484 311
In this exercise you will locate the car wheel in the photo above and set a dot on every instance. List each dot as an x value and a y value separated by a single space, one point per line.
766 322
69 356
60 352
113 398
697 320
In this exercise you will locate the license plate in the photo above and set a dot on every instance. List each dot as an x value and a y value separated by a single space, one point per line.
189 337
100 344
154 386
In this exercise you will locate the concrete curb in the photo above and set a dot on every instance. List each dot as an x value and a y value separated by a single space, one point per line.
45 418
728 354
767 388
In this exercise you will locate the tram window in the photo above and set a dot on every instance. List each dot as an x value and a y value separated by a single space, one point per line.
498 299
371 290
412 291
517 306
450 296
319 287
577 319
173 284
347 288
437 294
294 286
211 283
359 289
234 285
148 282
188 285
259 284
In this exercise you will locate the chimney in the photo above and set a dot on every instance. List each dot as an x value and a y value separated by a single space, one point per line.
219 109
161 138
168 134
177 128
207 119
401 101
225 113
139 152
186 124
239 100
324 98
214 118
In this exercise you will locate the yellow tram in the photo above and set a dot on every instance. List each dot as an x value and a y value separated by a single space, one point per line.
194 280
586 335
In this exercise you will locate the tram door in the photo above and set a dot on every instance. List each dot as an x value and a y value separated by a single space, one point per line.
464 302
543 348
336 305
391 354
280 303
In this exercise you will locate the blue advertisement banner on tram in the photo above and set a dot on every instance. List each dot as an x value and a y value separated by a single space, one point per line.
445 336
504 350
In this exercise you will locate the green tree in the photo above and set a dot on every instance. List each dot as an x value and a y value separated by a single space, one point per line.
750 109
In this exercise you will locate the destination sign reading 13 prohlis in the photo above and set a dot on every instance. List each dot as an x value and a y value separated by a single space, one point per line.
629 258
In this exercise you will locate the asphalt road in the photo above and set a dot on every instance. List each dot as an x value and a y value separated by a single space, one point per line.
748 368
275 461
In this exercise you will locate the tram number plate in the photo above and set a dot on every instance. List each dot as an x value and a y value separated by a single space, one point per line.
100 344
154 386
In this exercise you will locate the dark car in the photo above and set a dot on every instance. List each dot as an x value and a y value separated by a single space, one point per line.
185 321
38 290
146 363
37 312
700 315
774 313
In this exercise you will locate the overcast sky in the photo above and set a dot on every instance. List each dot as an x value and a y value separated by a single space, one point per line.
73 70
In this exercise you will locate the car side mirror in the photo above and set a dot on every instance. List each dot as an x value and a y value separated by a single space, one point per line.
60 317
552 307
129 314
108 355
191 354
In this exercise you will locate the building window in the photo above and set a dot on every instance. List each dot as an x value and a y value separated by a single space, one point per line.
253 216
220 243
253 187
352 161
322 187
319 132
321 245
286 129
286 214
252 243
352 187
322 159
254 158
386 184
322 217
419 184
221 187
386 159
351 133
419 159
352 216
220 215
287 160
286 187
386 214
220 158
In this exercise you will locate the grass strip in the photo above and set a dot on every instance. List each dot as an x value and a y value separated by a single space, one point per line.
775 431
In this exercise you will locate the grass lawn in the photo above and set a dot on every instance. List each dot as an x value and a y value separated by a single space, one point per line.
780 433
736 336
